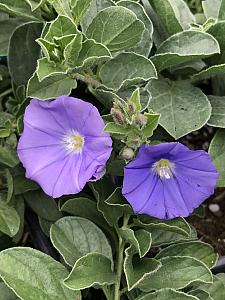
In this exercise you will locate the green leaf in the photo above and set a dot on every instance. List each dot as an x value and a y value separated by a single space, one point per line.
75 237
91 53
185 46
72 50
152 123
8 156
95 7
137 270
166 11
221 11
145 44
199 250
62 7
6 293
43 205
79 8
114 207
32 274
211 8
217 118
85 208
9 180
183 13
48 49
35 4
94 268
20 9
117 28
46 69
135 100
51 87
201 295
215 290
166 294
140 239
177 272
62 26
7 28
183 107
116 128
217 152
127 69
24 52
178 225
215 30
9 219
23 185
209 72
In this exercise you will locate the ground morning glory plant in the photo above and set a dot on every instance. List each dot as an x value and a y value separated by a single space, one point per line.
103 105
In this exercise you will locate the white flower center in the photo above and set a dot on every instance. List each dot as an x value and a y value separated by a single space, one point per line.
73 141
164 168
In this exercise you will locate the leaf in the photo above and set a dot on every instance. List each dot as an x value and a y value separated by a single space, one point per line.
62 26
185 46
217 118
32 274
79 8
178 225
114 207
51 87
116 128
137 270
8 157
177 272
216 290
75 237
94 268
62 7
135 100
9 219
20 9
145 44
23 185
46 69
166 294
215 30
116 27
165 10
152 123
211 8
183 107
140 239
35 4
127 69
72 50
91 53
85 208
95 7
217 151
7 28
209 72
24 52
199 250
183 13
43 205
6 293
202 295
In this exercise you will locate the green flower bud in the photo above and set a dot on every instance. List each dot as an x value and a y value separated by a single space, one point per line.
118 116
140 120
127 153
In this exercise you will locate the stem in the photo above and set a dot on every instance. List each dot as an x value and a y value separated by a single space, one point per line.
119 264
5 93
88 80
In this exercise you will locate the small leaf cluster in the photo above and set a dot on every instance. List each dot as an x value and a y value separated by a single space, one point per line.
127 124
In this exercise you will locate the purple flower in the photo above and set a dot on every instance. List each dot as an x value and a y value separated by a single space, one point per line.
63 145
168 180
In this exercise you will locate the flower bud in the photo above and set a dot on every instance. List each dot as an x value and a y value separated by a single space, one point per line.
130 108
127 153
118 116
140 120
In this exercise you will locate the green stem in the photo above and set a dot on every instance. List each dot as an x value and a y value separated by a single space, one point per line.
119 263
5 93
88 80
